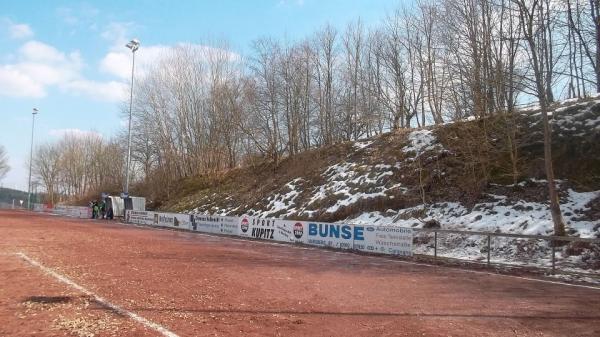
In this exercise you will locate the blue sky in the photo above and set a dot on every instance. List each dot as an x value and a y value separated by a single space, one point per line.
68 59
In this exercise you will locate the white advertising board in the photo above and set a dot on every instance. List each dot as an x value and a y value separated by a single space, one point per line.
390 240
257 228
207 224
230 225
78 212
291 231
213 224
85 212
340 236
60 210
73 211
173 220
139 217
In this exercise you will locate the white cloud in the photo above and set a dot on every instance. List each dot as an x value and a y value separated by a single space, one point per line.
14 30
82 14
46 74
20 31
118 63
14 83
73 132
38 66
44 65
117 33
67 16
39 51
111 91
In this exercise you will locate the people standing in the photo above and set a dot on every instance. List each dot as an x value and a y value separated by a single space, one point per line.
95 210
102 209
109 213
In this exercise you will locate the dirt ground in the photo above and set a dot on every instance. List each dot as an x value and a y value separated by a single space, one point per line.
199 285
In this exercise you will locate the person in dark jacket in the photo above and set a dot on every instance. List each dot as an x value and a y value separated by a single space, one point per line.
102 209
95 210
91 205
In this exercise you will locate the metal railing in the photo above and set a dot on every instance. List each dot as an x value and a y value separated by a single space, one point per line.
5 205
553 240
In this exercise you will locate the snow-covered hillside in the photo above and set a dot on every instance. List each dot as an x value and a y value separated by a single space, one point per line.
422 177
497 215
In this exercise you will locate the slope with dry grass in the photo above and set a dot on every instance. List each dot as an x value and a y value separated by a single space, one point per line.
462 162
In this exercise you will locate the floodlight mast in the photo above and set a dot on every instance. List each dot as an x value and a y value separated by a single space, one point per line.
134 45
33 113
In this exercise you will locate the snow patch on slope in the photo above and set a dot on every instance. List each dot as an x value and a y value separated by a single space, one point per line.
531 218
343 182
281 201
421 141
500 215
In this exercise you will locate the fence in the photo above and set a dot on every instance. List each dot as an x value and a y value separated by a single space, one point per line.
5 205
552 245
64 210
377 239
390 240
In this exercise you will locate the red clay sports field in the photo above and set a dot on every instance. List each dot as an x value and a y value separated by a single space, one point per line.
68 277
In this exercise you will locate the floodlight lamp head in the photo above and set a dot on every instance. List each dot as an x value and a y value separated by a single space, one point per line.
133 45
35 111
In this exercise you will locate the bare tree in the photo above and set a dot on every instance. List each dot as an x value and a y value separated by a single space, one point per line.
583 23
394 61
4 167
79 164
352 126
325 42
47 168
204 110
266 84
533 17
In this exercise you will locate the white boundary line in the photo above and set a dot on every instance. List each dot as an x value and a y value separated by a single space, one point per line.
159 328
275 243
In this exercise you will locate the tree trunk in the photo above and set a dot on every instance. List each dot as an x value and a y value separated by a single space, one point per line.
557 219
527 23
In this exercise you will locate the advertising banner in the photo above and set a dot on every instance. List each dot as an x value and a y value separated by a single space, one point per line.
390 240
341 236
85 212
229 225
291 231
386 240
73 211
258 228
213 224
173 220
206 224
60 210
139 217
